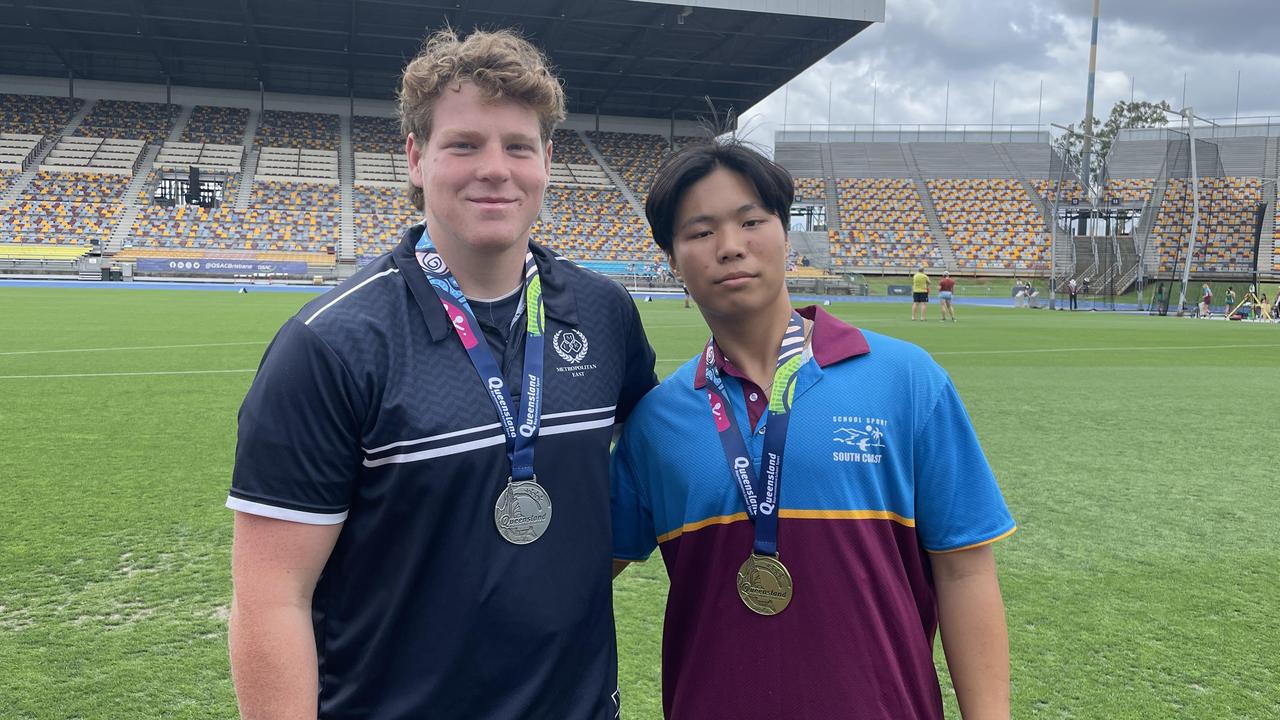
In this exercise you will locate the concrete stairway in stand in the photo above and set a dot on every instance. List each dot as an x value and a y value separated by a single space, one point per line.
180 123
245 191
930 212
636 206
132 206
78 118
250 166
346 249
23 179
1045 208
832 207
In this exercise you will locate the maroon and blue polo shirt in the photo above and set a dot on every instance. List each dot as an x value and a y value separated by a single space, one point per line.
882 467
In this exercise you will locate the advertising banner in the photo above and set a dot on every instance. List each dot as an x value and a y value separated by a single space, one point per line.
208 266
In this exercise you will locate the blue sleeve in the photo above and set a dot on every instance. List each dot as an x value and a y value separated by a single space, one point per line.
634 537
298 442
958 503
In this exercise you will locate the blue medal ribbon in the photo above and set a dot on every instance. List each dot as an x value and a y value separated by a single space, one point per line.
521 430
761 502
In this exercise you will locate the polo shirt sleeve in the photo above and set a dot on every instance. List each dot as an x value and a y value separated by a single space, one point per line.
298 443
958 503
634 537
638 376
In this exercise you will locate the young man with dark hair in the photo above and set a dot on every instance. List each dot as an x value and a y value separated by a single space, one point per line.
810 586
409 434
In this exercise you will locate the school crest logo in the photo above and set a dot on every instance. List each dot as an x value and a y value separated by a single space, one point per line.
862 439
571 345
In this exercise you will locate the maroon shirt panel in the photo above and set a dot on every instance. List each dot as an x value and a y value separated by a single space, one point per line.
847 648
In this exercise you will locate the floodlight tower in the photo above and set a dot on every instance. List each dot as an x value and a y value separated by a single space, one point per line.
1085 164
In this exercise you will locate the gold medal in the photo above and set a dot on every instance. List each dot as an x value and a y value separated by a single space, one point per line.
764 584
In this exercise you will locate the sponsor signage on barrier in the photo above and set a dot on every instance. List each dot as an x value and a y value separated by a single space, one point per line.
202 266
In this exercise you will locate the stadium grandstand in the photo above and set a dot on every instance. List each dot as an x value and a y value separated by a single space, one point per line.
200 139
175 148
984 201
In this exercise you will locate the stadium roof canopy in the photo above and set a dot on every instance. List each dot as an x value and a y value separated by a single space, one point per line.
617 57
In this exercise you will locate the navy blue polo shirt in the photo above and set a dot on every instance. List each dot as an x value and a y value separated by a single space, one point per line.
367 411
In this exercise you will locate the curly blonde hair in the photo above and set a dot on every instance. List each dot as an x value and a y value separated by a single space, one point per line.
500 63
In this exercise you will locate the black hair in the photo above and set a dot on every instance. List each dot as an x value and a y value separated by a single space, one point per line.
771 182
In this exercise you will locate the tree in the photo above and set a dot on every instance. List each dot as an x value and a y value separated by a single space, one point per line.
1124 115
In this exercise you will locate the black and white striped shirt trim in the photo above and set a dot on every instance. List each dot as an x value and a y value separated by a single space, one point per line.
307 517
483 436
450 443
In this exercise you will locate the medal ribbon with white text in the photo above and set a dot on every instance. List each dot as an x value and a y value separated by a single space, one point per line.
521 435
761 502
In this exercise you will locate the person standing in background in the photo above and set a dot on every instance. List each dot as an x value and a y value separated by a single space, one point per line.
946 289
919 293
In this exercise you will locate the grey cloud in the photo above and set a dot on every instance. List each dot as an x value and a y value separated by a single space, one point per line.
958 41
1221 26
926 44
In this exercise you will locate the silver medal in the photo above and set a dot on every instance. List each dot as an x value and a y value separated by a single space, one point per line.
523 512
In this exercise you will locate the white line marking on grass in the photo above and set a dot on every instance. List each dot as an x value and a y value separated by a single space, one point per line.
1064 350
135 347
1101 349
126 374
683 360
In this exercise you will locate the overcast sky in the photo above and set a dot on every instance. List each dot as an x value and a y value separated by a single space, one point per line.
924 44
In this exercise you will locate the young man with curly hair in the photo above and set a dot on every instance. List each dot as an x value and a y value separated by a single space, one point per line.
421 479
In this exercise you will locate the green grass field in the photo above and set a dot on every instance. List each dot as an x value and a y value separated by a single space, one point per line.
1138 454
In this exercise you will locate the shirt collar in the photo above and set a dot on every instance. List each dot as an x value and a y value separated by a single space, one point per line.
833 340
557 292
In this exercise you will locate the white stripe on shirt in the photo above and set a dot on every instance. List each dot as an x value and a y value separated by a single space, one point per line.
279 513
335 301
